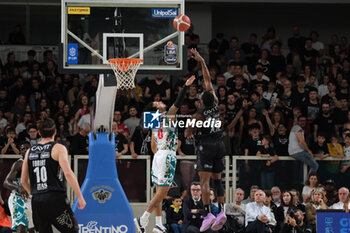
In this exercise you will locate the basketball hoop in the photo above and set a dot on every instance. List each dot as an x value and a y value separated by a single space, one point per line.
125 70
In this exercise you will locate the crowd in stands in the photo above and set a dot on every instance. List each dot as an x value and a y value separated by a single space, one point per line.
271 104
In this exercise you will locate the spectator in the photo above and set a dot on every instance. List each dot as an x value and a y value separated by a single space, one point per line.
270 95
19 108
192 98
312 105
140 142
122 128
311 184
296 42
252 51
330 97
193 210
345 164
32 136
17 36
230 73
281 140
317 45
222 95
121 143
316 203
251 196
3 121
234 47
79 143
294 223
258 216
22 125
298 148
267 174
83 107
277 60
236 83
213 202
323 88
64 128
286 207
8 145
86 118
276 195
235 213
259 80
320 148
158 87
331 192
264 62
344 203
132 122
300 94
324 122
269 203
217 48
296 200
310 55
174 215
331 168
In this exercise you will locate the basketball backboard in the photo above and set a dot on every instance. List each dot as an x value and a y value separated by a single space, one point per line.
94 31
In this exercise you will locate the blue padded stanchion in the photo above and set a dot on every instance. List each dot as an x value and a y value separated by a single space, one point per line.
107 208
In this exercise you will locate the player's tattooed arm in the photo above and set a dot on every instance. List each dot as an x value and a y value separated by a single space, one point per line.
180 98
206 76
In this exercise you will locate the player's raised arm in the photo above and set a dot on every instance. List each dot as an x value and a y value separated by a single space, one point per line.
180 98
206 76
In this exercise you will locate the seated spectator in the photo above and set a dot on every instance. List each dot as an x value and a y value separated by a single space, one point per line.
86 118
276 195
32 135
121 143
193 210
323 88
222 95
267 173
312 105
344 201
331 168
325 122
230 73
287 206
122 128
345 164
235 213
213 202
175 216
296 200
258 216
140 142
298 148
320 148
310 184
281 140
251 196
192 98
158 86
8 144
330 97
331 192
83 108
133 121
316 203
186 146
64 128
79 143
270 95
294 223
268 203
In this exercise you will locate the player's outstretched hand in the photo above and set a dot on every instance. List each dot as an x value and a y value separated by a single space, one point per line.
190 80
195 55
81 203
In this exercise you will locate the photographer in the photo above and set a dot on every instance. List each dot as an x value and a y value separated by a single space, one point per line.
294 223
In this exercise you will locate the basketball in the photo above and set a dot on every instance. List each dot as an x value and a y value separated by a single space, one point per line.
182 23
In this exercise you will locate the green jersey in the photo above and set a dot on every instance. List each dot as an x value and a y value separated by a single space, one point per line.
166 136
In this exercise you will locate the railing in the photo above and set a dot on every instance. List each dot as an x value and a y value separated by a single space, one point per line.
230 170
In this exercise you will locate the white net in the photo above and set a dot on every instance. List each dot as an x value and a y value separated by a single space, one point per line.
125 71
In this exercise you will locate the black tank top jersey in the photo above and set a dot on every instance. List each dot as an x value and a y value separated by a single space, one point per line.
45 173
211 115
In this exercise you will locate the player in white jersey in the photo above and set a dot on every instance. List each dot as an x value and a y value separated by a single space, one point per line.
164 145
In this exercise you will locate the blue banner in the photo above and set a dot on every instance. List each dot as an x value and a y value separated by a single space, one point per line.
72 53
333 222
164 13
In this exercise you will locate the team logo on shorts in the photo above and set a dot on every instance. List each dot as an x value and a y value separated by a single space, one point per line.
151 120
101 195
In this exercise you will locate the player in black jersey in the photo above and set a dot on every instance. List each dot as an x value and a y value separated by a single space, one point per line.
42 176
210 149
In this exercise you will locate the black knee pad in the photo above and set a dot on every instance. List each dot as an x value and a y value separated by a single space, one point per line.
219 188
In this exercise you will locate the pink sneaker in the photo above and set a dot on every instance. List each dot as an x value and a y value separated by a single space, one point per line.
207 221
220 221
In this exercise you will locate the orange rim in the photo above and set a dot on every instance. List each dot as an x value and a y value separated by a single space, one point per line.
124 63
